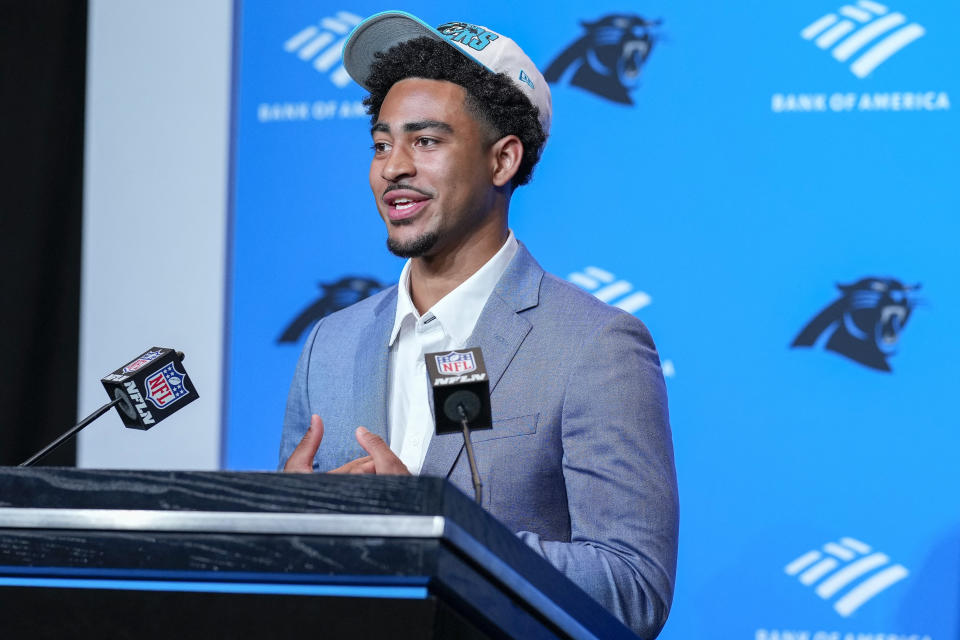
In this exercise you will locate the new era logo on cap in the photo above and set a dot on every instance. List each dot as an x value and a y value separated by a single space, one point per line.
524 78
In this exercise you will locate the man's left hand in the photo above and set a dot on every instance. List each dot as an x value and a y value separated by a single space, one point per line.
381 460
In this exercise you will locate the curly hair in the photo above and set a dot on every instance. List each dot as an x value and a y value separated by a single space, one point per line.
491 97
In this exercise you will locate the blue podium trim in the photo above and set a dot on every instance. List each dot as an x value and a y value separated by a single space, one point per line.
165 575
334 590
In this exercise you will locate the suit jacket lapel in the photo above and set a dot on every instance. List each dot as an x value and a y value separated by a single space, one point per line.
370 370
499 333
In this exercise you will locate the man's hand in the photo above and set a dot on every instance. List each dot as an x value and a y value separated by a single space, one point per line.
381 459
301 460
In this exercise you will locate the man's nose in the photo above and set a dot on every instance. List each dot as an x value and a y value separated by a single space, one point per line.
399 164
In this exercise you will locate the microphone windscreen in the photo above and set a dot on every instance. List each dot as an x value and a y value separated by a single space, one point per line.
150 387
459 374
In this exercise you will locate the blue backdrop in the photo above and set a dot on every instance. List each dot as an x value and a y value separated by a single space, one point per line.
771 153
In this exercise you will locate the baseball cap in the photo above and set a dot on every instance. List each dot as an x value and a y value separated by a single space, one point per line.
490 49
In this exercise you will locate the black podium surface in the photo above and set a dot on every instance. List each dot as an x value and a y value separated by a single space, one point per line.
154 554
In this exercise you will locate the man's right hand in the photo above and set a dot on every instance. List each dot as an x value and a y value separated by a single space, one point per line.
301 460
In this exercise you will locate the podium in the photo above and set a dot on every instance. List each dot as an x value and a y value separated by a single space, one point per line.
150 554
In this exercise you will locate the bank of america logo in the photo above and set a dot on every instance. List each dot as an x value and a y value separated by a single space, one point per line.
610 289
859 26
322 45
849 569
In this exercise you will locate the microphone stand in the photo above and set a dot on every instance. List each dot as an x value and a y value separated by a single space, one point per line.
35 458
477 485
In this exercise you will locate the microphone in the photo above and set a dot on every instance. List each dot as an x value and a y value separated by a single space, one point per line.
151 377
461 398
150 388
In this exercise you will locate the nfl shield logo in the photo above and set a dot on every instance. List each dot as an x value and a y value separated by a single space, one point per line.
455 364
166 387
142 360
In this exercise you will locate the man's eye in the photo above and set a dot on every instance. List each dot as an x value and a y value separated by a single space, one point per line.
380 147
425 142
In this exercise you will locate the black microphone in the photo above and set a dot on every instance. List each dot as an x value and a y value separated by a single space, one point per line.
153 377
150 388
461 398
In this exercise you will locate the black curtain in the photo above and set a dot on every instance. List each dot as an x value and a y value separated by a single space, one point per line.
42 82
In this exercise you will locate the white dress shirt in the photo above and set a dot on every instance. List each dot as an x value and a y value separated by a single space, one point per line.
444 327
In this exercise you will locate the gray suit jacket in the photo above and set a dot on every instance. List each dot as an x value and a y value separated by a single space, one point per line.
580 458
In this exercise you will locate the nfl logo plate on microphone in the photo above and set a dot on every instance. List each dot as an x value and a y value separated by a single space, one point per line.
166 386
456 363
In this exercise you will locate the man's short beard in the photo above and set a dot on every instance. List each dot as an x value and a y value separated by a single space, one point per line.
416 248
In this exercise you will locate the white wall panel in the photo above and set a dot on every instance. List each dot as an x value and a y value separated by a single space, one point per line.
155 211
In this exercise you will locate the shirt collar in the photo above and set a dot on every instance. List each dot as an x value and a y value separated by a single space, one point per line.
459 310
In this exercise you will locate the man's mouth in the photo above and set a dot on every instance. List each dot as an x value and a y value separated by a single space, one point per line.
404 203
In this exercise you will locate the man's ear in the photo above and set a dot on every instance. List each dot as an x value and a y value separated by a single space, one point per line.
505 156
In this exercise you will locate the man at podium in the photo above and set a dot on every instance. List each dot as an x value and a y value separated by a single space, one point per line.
579 462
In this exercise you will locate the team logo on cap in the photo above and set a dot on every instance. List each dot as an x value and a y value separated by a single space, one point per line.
141 361
166 386
607 59
471 35
454 363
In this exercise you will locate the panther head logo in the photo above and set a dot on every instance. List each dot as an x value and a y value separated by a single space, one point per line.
865 322
336 295
608 58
